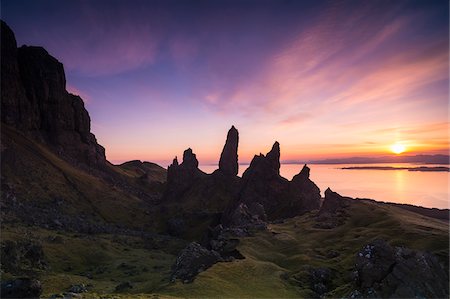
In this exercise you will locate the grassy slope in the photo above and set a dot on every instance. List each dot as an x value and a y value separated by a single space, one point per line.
277 260
40 176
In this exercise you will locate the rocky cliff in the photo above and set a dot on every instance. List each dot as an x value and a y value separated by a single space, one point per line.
35 101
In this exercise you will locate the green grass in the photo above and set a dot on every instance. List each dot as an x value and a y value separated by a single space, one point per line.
276 263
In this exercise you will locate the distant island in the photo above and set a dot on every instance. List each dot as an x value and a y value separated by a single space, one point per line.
421 168
418 159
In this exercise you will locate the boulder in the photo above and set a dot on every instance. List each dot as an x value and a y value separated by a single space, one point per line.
228 163
192 260
382 270
21 288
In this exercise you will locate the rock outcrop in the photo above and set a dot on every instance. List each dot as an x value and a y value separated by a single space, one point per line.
21 288
262 186
192 260
384 271
35 101
333 211
305 190
228 163
181 177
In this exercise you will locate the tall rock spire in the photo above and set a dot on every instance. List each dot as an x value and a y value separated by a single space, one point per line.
228 163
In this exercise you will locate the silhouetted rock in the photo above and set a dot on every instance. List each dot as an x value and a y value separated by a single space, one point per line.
181 177
35 101
192 260
262 184
228 163
384 271
21 288
333 211
305 189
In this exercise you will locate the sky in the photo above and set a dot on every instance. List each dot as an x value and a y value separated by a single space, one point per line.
326 79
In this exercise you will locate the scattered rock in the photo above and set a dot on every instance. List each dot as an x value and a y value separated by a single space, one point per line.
320 280
192 260
78 288
382 270
21 288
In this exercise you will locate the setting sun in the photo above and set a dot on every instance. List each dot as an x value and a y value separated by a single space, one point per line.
398 148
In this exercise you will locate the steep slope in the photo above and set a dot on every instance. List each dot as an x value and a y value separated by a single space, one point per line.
42 189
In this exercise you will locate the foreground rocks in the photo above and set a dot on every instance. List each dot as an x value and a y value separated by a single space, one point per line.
192 260
385 271
21 288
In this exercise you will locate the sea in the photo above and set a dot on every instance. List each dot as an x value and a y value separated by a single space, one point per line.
426 189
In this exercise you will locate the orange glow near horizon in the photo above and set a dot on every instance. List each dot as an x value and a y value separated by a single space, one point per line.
398 148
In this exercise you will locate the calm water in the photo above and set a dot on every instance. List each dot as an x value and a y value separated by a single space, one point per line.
428 189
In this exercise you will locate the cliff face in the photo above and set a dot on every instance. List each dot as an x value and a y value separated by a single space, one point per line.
34 100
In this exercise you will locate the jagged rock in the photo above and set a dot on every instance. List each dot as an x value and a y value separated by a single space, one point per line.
262 184
192 260
333 211
35 101
21 288
228 163
181 177
382 270
305 189
247 218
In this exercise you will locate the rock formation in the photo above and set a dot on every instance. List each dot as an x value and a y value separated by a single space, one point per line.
262 186
180 177
35 101
192 260
303 188
333 211
384 271
228 163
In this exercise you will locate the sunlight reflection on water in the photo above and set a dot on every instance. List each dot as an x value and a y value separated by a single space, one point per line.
428 189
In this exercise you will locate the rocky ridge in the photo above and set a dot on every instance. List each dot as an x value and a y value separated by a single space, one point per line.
36 102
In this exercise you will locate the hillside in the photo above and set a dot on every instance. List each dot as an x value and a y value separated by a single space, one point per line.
74 225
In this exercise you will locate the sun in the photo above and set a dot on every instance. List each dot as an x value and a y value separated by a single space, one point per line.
398 148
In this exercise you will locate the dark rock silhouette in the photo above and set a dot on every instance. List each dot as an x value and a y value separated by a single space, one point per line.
304 189
21 288
181 177
35 101
279 198
333 211
228 163
384 271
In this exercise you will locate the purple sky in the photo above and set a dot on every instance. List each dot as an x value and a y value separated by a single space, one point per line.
324 78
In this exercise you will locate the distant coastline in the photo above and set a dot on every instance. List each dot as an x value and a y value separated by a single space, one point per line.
421 168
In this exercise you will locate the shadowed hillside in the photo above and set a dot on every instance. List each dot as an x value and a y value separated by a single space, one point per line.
75 225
